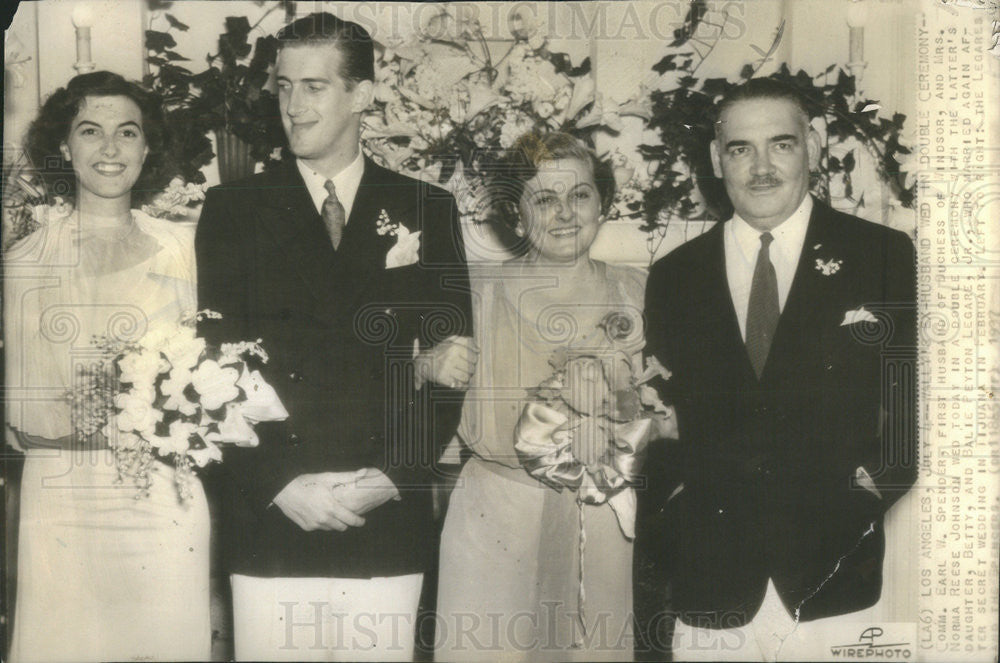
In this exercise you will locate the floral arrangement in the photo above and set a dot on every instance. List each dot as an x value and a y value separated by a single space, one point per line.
23 194
589 423
170 395
445 103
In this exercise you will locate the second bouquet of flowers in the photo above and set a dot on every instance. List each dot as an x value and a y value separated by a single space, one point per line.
590 423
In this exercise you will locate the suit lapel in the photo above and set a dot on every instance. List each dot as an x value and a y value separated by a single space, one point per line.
717 297
363 249
293 224
359 266
335 278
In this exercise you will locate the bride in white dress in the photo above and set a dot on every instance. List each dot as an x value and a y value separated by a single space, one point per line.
103 574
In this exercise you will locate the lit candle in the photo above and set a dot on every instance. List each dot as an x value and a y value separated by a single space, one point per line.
857 17
83 18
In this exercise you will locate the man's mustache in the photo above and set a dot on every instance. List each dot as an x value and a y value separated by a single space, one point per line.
764 180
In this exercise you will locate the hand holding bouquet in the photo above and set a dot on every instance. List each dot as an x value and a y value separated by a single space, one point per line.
170 395
589 425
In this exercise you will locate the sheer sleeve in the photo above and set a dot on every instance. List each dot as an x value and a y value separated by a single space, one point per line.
631 284
37 330
174 265
477 427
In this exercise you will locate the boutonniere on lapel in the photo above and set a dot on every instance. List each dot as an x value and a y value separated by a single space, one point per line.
406 250
827 267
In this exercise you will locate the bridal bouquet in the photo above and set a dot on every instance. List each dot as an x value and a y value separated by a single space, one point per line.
170 395
590 422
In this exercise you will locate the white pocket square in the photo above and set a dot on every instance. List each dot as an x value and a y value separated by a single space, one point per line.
859 315
677 491
865 481
406 251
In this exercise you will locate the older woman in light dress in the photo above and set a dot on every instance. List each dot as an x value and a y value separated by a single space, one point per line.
510 568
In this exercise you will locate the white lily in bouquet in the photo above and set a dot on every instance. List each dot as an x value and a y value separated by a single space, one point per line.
169 395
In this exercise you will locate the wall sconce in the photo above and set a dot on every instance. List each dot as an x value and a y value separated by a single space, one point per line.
83 18
857 17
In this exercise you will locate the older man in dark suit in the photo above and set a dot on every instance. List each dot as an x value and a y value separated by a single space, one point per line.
790 331
354 278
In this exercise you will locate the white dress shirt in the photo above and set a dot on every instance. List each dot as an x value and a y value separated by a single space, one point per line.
346 182
742 244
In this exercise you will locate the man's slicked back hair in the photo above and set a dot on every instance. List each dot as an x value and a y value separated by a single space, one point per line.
761 88
353 42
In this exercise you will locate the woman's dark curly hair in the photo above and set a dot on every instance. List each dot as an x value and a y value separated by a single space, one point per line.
507 176
52 126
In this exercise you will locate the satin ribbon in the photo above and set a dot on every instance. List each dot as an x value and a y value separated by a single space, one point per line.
543 442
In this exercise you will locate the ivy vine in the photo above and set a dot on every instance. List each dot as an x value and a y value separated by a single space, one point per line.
682 119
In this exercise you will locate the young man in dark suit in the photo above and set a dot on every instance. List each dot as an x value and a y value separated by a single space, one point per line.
790 332
354 278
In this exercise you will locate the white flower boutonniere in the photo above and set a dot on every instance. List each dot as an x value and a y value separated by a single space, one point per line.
406 250
828 267
385 225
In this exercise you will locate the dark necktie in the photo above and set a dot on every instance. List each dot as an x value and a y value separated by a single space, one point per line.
763 311
333 215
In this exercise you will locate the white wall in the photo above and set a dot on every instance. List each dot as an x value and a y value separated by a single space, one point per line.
116 39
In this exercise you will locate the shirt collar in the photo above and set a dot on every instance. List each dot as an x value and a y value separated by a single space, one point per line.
790 234
346 182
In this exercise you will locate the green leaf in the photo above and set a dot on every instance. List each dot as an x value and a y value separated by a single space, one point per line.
845 85
265 52
564 65
159 41
715 86
171 75
174 23
849 162
691 22
237 25
666 64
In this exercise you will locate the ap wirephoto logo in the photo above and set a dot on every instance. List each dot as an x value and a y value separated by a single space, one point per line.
888 642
